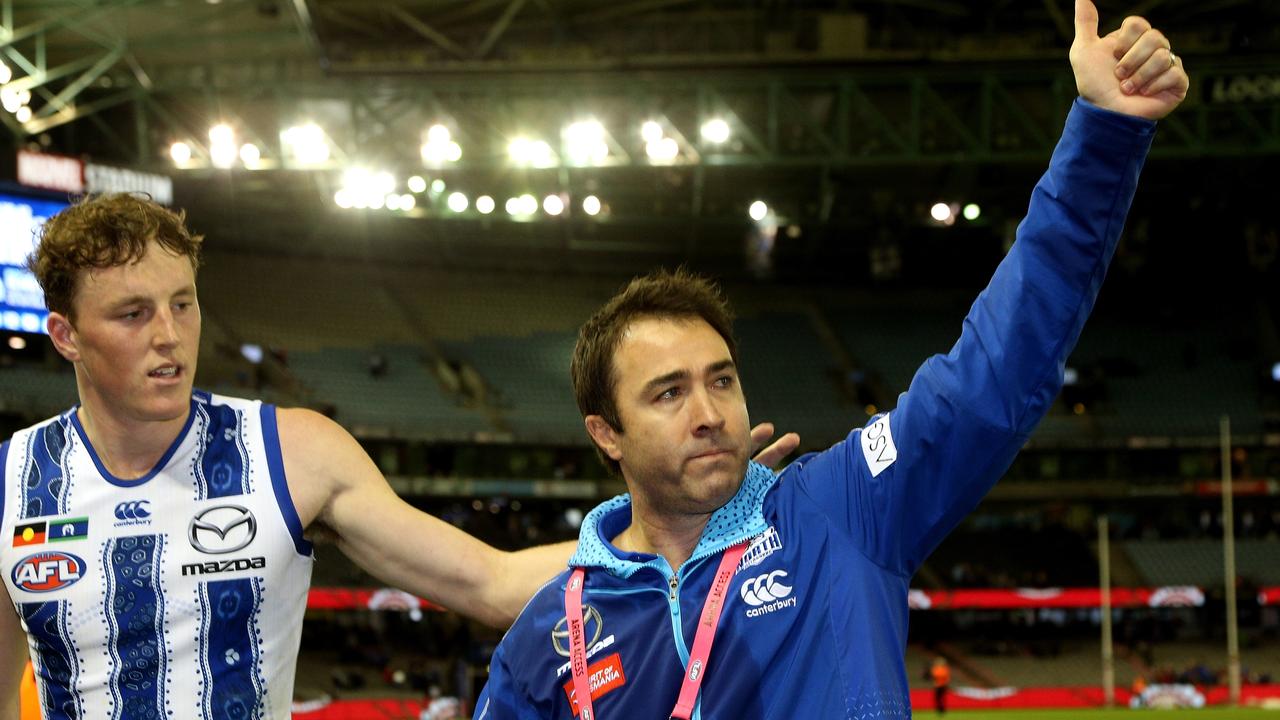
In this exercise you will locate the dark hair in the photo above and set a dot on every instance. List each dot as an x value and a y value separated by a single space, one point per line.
104 231
662 294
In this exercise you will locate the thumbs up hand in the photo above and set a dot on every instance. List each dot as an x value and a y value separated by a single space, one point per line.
1132 70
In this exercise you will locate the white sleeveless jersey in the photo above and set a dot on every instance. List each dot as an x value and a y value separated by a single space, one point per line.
176 595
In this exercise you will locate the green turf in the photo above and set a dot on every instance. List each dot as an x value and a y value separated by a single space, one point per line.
1205 714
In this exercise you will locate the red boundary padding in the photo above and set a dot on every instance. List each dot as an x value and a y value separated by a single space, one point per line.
983 598
1071 697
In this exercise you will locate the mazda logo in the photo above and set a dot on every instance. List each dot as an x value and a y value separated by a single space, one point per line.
222 529
592 625
135 510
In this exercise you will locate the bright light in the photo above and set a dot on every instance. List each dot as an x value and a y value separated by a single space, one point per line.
972 211
715 131
223 155
663 150
437 186
222 134
1275 372
524 151
438 135
512 206
584 143
23 114
407 203
367 189
591 205
417 184
552 205
439 147
249 154
377 202
392 201
342 199
758 210
180 152
5 73
306 143
384 182
10 99
17 343
940 212
458 202
528 204
484 204
651 131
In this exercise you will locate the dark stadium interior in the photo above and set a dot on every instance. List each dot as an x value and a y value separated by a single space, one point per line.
441 338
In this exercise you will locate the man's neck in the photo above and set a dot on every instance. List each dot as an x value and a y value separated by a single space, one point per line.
128 450
673 536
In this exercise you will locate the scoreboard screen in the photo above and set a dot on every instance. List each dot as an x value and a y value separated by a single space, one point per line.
21 301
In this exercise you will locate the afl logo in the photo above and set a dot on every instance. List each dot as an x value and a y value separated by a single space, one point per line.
47 571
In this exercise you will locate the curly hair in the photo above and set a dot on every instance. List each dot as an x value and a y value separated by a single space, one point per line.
104 231
664 294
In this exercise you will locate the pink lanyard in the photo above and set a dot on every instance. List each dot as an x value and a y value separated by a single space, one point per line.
696 670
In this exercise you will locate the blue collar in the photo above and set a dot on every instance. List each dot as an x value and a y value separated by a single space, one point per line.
739 519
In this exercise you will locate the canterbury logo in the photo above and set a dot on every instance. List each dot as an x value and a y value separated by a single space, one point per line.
136 510
765 588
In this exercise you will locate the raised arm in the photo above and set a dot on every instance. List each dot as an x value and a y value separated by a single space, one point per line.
904 481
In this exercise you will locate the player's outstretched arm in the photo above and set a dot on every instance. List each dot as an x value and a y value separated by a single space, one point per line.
334 483
13 656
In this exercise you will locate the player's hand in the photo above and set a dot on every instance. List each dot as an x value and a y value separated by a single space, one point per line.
782 447
1132 70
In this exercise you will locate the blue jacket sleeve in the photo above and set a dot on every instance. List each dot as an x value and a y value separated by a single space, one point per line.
901 483
501 698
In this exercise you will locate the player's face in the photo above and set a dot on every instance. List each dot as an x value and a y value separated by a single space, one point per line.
135 337
686 433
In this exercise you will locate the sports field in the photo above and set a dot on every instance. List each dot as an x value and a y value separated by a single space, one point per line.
1205 714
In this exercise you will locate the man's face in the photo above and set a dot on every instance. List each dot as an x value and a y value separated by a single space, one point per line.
686 431
135 337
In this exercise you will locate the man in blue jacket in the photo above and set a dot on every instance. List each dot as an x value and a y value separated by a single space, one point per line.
717 590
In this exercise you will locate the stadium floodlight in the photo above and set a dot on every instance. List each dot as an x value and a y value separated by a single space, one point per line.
23 114
758 210
343 199
250 154
17 342
5 73
651 131
528 204
12 99
457 202
392 201
484 204
591 205
584 142
384 182
552 205
407 202
377 202
306 143
417 184
438 134
715 131
180 152
662 150
512 206
437 186
972 211
222 134
223 155
525 151
940 212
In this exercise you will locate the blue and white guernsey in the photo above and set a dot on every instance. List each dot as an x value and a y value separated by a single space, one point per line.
176 595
